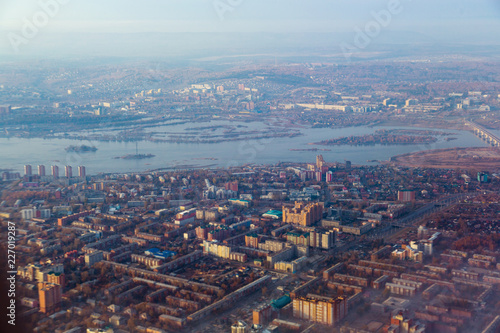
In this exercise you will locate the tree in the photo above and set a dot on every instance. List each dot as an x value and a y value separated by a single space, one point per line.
131 324
85 276
87 291
464 228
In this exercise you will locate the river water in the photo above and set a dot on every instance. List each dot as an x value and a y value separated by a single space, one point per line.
16 152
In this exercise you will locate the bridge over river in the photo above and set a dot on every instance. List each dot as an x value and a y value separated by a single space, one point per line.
483 133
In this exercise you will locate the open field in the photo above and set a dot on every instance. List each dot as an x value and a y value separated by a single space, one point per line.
466 158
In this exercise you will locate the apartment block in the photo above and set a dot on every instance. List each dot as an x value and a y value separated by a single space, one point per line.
303 214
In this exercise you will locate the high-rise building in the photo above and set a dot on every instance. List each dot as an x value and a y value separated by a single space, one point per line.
320 162
263 314
203 230
68 171
406 196
28 214
27 170
240 327
55 171
56 278
348 165
319 176
327 312
299 238
233 186
41 170
50 296
325 240
94 257
81 171
303 176
302 213
252 240
329 176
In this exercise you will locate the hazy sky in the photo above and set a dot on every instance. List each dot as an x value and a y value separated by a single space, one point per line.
467 21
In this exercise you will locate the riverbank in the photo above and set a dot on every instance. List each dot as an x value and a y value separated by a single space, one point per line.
478 158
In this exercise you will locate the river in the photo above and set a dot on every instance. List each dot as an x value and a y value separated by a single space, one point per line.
16 152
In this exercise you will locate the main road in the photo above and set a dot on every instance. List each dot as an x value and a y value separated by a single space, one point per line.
418 215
